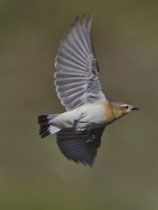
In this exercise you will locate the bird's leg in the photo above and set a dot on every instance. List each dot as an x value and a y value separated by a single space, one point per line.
75 123
77 130
81 130
86 131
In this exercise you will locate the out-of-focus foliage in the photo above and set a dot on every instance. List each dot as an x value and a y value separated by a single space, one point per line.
33 173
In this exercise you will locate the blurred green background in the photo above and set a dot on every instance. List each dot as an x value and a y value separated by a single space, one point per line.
33 173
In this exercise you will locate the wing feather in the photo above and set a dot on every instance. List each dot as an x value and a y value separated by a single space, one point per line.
77 77
80 147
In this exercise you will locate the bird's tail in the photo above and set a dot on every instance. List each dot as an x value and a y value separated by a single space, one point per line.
46 125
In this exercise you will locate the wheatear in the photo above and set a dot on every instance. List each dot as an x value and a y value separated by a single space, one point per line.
78 87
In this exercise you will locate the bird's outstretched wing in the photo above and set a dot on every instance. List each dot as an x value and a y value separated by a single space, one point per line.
77 77
80 147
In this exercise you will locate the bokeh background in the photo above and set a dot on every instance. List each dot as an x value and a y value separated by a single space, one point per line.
33 173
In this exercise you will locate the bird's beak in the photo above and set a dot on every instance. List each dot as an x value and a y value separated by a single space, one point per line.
135 108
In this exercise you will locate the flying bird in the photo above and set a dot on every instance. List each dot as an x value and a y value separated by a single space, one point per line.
88 111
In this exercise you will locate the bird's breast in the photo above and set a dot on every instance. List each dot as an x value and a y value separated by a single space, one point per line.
99 112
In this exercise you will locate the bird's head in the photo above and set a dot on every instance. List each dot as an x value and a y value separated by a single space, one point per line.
120 109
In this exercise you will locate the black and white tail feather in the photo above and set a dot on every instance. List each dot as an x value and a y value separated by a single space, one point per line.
46 125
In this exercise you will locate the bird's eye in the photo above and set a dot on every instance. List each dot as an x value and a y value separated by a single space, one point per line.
124 107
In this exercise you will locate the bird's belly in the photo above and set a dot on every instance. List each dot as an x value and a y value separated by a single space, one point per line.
85 116
92 115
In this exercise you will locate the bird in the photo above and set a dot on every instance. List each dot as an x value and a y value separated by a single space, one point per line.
88 111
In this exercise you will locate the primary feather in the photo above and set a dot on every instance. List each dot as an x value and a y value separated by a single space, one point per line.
77 77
